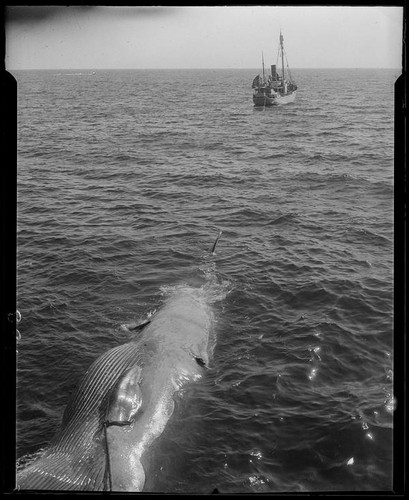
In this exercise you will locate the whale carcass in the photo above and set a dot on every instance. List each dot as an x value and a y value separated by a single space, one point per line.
124 401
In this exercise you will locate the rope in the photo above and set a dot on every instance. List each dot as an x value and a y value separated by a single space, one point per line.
108 473
288 67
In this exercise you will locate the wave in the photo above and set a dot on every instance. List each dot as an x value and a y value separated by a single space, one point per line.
284 219
116 201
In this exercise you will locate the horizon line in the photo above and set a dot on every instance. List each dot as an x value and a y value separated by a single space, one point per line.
196 69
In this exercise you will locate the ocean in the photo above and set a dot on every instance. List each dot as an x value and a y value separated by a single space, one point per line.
125 178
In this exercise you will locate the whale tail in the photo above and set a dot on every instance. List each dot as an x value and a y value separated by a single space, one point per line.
212 251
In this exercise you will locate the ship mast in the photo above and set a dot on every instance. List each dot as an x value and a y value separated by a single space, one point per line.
282 54
262 59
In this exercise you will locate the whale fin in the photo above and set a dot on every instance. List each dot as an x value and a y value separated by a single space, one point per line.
125 399
201 357
200 362
139 327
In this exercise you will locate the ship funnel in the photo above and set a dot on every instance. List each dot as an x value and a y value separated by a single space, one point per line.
273 71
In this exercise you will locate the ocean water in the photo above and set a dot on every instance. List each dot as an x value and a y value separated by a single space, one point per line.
124 179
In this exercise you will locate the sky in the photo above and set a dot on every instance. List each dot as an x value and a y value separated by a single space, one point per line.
99 37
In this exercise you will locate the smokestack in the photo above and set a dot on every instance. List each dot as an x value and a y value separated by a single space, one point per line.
273 71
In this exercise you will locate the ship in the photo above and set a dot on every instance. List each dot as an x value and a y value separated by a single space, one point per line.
274 88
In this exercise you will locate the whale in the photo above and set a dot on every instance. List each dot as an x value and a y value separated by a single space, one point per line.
124 401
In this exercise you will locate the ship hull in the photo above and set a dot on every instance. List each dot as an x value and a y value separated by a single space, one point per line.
261 100
286 98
